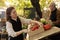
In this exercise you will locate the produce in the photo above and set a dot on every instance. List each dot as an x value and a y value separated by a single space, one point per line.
35 27
47 26
43 21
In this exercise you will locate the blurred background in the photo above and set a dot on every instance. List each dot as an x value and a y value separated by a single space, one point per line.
24 8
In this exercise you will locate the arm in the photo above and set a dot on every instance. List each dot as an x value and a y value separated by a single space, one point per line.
53 17
57 21
25 21
58 18
10 30
39 23
28 21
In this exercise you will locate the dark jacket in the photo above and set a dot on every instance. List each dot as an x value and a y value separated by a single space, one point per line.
56 17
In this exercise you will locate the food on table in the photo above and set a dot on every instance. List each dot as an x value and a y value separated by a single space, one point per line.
35 27
47 26
43 21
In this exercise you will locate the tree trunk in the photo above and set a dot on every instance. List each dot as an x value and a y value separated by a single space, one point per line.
36 5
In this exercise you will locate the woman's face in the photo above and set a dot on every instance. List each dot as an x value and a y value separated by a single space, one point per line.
51 7
13 14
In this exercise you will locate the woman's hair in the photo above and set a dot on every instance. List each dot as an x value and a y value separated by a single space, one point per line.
8 13
53 3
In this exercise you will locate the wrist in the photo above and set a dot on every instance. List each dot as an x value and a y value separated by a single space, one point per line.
21 31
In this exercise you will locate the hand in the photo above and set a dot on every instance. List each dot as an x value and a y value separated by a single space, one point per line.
25 30
39 23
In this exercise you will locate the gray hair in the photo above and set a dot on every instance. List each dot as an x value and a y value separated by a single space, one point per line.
53 4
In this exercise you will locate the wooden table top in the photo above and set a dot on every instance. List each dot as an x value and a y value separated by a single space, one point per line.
3 32
53 30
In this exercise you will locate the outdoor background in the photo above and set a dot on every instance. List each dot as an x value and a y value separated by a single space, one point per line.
25 9
21 4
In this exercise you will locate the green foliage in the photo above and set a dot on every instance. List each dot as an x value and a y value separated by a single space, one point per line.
20 4
45 3
2 3
25 26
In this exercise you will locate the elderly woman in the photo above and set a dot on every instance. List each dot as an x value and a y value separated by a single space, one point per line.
55 14
55 18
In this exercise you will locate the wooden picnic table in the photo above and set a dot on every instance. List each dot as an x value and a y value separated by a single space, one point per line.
44 34
3 35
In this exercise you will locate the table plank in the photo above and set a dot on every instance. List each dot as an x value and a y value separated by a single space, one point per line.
53 30
3 32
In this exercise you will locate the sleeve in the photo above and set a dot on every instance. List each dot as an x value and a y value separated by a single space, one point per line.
10 30
24 20
53 17
58 18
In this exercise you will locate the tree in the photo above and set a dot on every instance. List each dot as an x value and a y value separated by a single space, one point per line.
36 5
45 3
2 3
20 5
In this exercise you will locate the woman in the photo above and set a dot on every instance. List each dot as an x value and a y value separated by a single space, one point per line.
14 24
